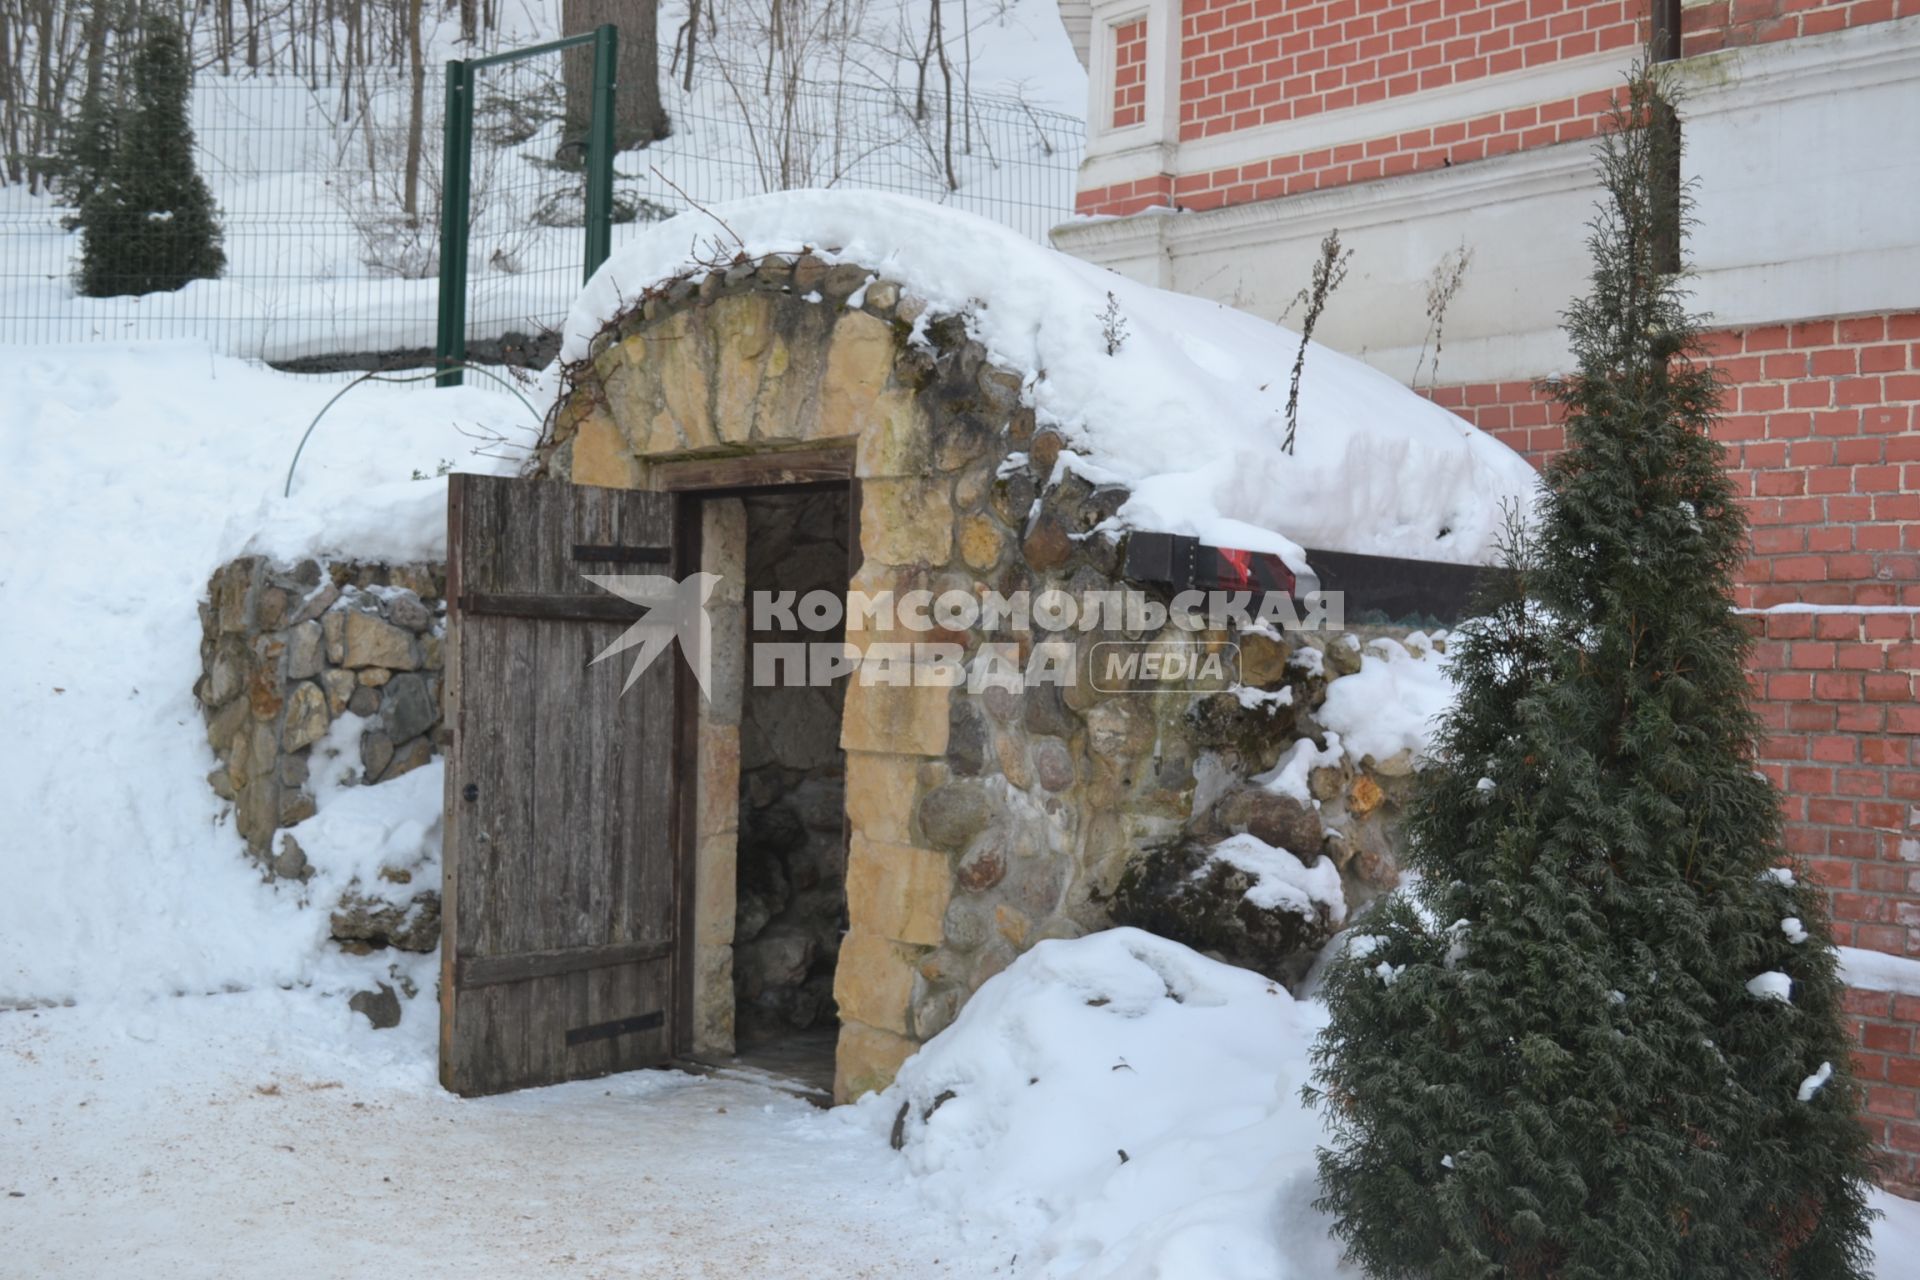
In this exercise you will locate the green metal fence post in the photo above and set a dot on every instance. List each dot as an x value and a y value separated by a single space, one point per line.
456 154
456 187
606 46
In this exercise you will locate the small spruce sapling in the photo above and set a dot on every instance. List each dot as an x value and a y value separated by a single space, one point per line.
150 225
1113 325
1563 1051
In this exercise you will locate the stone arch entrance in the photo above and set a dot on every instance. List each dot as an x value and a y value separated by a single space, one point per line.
976 825
770 845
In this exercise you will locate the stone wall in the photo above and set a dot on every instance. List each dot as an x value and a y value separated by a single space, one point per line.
792 853
979 824
286 652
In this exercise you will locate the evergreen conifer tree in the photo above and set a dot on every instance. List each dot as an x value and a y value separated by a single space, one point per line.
86 152
150 225
1601 1035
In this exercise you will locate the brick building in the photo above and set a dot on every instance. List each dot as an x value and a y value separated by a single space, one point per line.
1225 137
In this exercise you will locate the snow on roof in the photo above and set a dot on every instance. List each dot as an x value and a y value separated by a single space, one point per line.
1188 413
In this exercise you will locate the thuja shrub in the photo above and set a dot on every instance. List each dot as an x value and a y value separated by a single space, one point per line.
1600 1035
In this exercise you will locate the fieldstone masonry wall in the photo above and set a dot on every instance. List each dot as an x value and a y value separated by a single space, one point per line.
286 651
979 824
716 781
791 859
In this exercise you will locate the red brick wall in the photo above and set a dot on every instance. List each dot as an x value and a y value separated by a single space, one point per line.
1252 62
1130 73
1835 697
1440 146
1822 428
1125 198
1436 147
1515 413
1889 1066
1743 22
1246 63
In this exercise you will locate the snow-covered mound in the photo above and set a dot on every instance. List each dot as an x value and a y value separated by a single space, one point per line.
1118 1105
1189 411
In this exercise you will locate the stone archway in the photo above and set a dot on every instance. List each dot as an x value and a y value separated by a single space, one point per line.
978 823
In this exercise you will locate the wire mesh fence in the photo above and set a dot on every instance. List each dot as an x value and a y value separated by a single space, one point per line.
329 199
317 252
740 132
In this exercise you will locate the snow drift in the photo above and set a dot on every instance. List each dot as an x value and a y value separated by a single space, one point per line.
131 473
1188 409
1395 701
1121 1106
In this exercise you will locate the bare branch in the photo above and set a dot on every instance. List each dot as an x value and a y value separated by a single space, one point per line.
1329 270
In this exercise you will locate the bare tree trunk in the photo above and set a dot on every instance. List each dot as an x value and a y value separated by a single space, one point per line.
350 15
416 119
926 56
638 116
9 99
966 76
693 43
776 41
367 131
469 21
38 137
946 76
96 36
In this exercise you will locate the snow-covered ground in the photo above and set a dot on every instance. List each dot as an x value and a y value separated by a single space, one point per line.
263 1134
183 1091
272 1133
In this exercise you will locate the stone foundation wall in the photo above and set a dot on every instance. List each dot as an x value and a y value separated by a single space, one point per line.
792 852
979 824
286 652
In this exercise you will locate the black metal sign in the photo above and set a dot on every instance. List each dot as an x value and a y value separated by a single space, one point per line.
1375 588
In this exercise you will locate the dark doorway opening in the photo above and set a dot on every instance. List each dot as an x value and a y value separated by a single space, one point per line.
790 873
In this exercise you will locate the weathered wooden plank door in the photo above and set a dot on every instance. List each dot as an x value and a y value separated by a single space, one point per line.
559 955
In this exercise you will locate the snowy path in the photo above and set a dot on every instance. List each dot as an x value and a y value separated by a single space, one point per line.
224 1136
272 1134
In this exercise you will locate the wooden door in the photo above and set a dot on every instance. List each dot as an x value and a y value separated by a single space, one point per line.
558 952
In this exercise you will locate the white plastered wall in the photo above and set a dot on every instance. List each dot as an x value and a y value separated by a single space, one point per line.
1805 159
